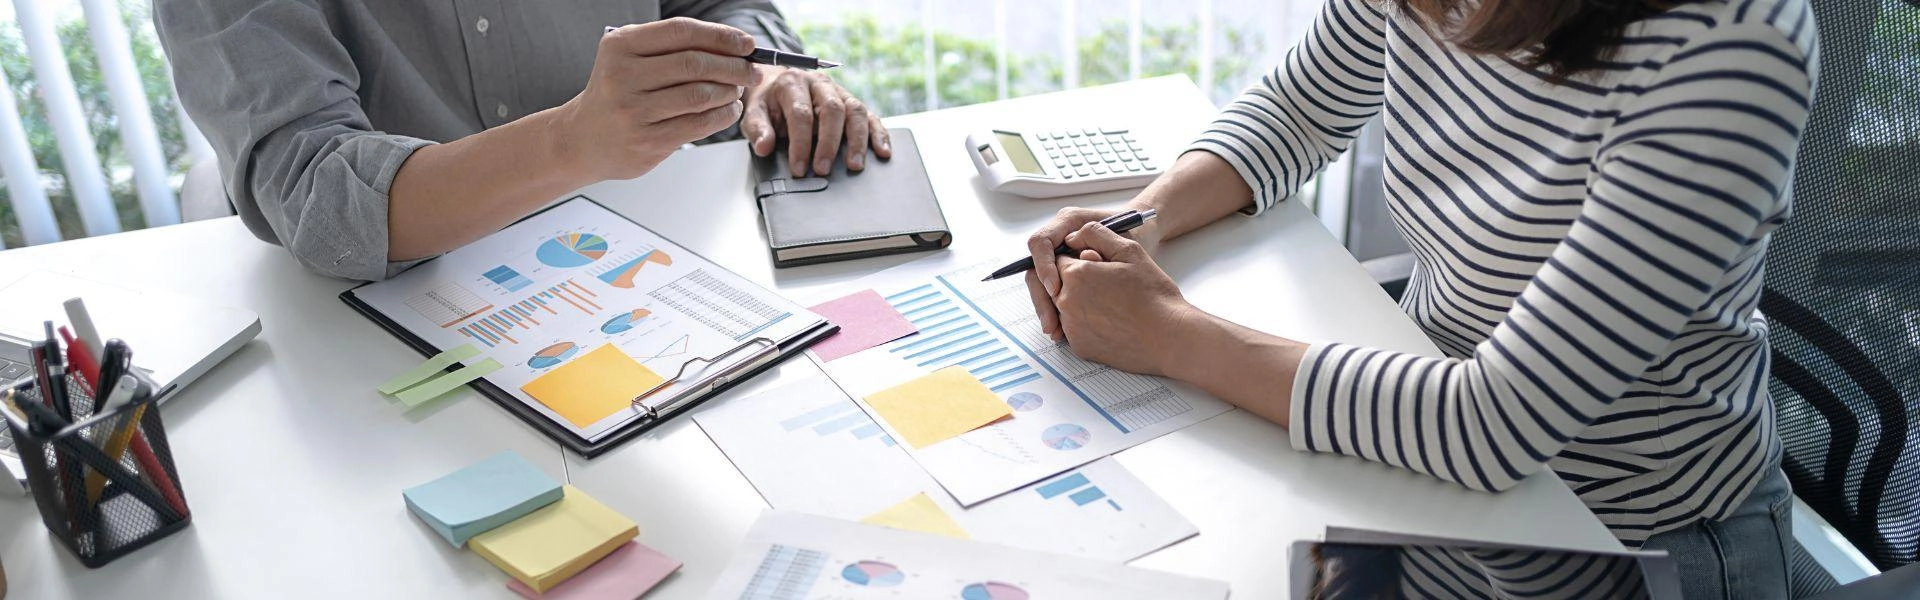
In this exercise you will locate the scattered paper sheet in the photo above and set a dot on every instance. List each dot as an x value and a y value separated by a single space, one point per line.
630 571
420 394
806 447
936 407
594 386
793 556
552 544
865 319
481 497
433 366
918 513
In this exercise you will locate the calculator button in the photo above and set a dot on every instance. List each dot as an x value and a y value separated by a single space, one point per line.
1073 133
1091 132
1048 144
1059 163
1147 164
1075 160
1133 166
1128 137
1112 130
1109 157
1083 171
1140 155
1099 169
11 370
1065 173
1126 157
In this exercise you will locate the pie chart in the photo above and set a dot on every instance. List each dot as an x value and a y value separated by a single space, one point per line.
992 590
571 250
1025 401
552 356
624 322
873 573
1065 436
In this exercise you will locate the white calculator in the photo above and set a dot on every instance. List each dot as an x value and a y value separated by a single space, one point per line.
1062 162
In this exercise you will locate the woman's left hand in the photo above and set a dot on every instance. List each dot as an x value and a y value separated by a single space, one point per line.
1117 307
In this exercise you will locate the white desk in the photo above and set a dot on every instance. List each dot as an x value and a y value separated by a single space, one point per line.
293 465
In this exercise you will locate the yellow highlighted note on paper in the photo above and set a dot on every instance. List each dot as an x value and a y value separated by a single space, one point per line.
918 513
594 386
928 410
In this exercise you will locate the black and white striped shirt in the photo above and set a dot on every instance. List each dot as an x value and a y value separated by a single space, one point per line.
1590 254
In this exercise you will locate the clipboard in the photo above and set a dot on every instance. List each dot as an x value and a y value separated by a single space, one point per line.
715 374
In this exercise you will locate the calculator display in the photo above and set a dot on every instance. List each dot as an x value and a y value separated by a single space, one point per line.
1018 152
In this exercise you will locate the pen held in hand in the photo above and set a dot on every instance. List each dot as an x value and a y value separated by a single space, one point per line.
1120 223
781 58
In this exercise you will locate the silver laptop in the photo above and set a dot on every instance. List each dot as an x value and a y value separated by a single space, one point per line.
174 339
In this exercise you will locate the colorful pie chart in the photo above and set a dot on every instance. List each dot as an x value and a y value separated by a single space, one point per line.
624 322
571 250
1026 401
992 590
552 356
1066 436
873 573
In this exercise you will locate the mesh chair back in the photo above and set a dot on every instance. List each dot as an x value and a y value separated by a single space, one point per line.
1843 284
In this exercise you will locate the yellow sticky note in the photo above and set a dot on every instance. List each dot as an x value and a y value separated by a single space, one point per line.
931 409
594 386
918 513
558 541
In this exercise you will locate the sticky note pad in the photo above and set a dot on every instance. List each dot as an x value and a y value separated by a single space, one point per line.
630 571
594 386
478 498
918 513
550 545
865 319
928 410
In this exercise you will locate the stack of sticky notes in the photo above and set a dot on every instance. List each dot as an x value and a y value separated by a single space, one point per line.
481 497
554 540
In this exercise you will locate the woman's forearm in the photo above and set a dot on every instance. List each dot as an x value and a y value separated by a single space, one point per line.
447 195
1250 369
1199 189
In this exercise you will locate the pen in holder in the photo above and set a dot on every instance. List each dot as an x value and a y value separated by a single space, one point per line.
105 485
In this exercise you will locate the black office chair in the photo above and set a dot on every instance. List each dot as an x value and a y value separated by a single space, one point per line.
1843 296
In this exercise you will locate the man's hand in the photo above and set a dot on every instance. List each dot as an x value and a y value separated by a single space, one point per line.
1119 309
817 116
654 88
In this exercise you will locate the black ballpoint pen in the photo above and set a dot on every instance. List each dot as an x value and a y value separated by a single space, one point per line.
781 58
1120 223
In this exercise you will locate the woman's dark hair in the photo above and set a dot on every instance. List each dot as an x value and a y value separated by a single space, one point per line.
1564 37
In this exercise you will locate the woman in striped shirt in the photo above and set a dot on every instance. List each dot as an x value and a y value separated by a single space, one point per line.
1588 188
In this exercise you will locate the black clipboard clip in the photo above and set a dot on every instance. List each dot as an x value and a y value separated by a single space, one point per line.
768 350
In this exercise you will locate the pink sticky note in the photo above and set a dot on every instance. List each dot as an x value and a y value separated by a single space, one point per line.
630 571
865 319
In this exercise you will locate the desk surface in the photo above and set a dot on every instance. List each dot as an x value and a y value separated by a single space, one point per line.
294 465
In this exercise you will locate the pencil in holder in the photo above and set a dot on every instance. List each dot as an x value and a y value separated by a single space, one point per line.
105 485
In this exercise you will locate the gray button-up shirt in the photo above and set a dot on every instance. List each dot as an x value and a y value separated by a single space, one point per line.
312 105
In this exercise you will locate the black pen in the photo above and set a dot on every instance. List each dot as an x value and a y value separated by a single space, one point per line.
1119 223
781 58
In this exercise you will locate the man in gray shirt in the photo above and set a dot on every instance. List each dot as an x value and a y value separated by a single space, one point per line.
364 135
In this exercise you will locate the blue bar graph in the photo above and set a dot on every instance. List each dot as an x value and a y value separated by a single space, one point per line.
949 336
1078 488
508 278
1062 485
835 418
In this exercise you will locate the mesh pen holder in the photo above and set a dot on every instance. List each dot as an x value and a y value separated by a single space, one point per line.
99 505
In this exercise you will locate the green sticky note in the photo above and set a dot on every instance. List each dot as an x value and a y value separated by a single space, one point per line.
427 369
420 394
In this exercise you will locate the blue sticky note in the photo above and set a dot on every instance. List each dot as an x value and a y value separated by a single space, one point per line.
476 499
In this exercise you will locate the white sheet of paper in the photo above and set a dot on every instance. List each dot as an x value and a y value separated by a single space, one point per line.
565 281
794 556
1067 411
808 448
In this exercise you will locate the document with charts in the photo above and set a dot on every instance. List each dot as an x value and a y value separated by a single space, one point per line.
806 447
1066 411
566 281
793 556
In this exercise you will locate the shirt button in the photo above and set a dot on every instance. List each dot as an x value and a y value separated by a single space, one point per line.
500 111
481 25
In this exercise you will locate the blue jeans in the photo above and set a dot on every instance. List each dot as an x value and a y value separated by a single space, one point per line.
1743 556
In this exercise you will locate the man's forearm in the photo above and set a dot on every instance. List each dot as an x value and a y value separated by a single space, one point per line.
1199 189
448 195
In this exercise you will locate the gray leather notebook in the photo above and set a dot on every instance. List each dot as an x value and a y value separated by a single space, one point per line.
889 208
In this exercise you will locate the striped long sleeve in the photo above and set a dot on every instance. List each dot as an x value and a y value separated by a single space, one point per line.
1589 253
1303 114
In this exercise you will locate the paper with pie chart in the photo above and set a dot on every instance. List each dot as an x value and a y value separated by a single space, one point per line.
795 556
807 447
1066 411
551 290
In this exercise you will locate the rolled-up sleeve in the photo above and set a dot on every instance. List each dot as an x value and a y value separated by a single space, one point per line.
277 96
